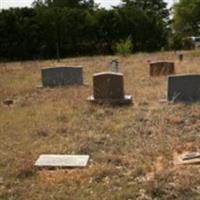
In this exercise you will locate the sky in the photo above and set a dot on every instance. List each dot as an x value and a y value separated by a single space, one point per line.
23 3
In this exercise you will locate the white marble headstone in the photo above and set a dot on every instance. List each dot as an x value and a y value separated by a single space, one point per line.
115 66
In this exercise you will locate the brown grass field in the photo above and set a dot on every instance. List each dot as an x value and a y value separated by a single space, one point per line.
132 148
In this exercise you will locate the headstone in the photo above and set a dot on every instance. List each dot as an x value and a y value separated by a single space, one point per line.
180 56
109 87
184 88
115 66
1 180
61 76
191 156
161 68
62 161
8 102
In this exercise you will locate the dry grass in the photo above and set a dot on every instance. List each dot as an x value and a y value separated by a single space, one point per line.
131 147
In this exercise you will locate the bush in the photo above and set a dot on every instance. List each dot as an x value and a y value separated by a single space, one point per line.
124 47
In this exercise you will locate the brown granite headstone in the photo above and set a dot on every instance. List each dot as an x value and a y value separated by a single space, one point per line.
109 87
162 68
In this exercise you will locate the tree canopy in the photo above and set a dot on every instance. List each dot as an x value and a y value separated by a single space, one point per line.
65 3
80 27
187 17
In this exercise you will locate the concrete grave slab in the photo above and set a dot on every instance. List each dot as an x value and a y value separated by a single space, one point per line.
62 161
187 158
62 76
108 87
161 68
185 88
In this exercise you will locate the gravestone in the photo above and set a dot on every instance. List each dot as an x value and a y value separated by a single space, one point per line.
8 102
115 66
187 158
52 160
62 76
180 57
109 87
184 88
161 68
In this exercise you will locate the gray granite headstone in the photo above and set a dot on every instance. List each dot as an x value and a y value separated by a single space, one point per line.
184 88
61 76
53 160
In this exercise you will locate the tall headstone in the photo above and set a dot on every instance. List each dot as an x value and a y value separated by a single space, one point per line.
180 57
115 66
184 88
161 68
109 87
62 76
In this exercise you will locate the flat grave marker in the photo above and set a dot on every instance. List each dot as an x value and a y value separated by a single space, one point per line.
62 161
187 158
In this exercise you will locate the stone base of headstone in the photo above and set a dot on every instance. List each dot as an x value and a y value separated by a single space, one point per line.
163 100
127 100
39 86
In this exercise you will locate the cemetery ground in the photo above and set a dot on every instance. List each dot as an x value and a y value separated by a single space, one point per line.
131 148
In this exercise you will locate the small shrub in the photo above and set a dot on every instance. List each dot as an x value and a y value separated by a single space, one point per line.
124 47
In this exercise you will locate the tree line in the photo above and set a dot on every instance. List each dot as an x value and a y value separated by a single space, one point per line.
52 28
186 22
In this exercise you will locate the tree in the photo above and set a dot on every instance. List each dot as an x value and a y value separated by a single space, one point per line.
20 34
148 23
187 18
64 3
157 6
75 27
